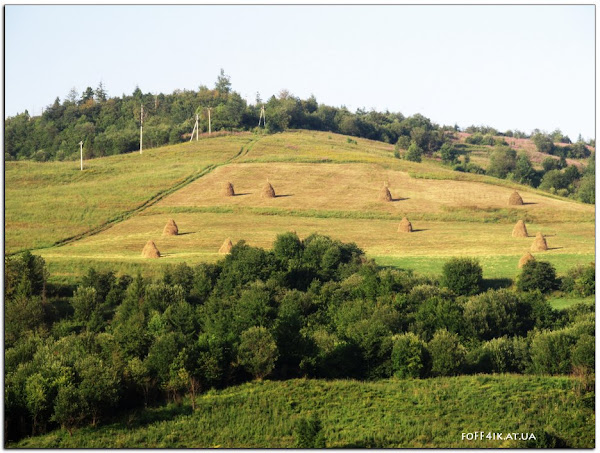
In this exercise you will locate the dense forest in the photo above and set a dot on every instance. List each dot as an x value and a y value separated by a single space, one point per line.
314 307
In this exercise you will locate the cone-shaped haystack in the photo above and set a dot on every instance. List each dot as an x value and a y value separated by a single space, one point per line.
525 258
405 226
268 191
171 228
226 247
150 250
228 190
384 194
515 199
539 245
520 230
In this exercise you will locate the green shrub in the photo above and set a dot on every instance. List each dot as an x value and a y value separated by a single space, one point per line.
537 275
257 352
449 154
403 142
462 276
507 355
585 285
580 281
409 356
551 352
447 354
583 352
497 313
414 153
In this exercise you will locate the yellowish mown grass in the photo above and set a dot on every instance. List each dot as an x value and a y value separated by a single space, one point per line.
201 235
356 187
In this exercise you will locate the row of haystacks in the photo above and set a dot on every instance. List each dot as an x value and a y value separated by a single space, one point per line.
539 243
268 191
151 251
405 226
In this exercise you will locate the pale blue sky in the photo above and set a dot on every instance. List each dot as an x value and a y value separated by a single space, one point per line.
511 67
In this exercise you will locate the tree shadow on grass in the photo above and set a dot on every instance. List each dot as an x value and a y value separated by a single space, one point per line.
496 283
157 414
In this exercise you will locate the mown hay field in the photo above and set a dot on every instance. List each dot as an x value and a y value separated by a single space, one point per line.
201 234
323 184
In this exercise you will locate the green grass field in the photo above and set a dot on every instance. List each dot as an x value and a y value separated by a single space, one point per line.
50 202
323 184
384 414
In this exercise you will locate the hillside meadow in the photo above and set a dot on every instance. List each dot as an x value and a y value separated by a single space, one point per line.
324 182
383 414
49 202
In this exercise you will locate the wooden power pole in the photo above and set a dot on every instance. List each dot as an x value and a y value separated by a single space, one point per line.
81 154
196 129
209 129
141 128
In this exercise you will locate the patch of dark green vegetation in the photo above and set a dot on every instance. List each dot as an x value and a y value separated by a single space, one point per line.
313 308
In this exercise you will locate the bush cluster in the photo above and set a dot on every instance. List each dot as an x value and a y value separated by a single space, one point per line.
314 307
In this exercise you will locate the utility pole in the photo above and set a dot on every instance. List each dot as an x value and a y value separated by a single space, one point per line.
209 109
81 153
262 116
196 129
141 128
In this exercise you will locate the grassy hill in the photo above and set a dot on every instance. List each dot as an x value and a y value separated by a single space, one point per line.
384 414
324 182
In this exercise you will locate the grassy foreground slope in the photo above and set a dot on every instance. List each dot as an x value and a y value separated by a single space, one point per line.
391 413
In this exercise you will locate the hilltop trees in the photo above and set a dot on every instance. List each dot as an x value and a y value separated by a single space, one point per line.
110 125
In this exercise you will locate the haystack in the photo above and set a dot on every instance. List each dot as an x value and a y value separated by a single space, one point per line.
150 250
525 259
515 199
170 228
520 230
539 245
405 226
228 190
384 194
226 247
268 191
